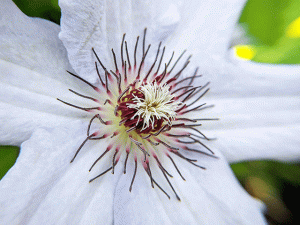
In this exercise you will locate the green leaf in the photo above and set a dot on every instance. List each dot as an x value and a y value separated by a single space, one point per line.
46 9
268 24
8 156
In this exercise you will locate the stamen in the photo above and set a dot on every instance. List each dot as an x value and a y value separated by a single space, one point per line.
146 137
134 173
192 125
183 157
127 154
164 173
206 119
101 174
178 135
115 60
187 78
160 188
199 90
102 121
84 96
100 157
171 59
138 144
118 80
113 161
146 77
190 94
186 119
153 143
80 147
131 129
99 75
194 76
206 107
160 165
192 89
116 110
103 67
107 101
161 58
125 73
150 174
180 71
122 59
202 144
129 65
158 132
198 131
162 76
78 107
199 151
106 82
168 146
121 95
144 40
142 62
176 61
199 96
197 107
89 126
175 166
180 89
122 121
83 80
135 48
143 150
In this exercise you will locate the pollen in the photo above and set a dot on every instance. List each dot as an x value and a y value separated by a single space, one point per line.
154 103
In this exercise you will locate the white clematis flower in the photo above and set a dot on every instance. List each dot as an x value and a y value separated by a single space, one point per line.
257 104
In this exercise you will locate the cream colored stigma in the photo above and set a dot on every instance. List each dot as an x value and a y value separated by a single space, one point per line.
157 103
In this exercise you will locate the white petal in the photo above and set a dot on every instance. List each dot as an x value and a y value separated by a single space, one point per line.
243 79
232 78
31 42
211 196
29 100
206 26
254 128
44 188
101 24
260 143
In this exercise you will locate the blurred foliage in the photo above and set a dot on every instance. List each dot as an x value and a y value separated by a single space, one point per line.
276 184
274 35
8 156
270 24
47 9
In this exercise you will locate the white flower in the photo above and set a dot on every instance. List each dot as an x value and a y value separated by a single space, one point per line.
258 106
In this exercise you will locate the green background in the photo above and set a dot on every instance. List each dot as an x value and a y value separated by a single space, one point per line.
264 22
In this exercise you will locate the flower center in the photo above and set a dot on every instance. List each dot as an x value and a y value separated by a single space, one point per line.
146 114
148 108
